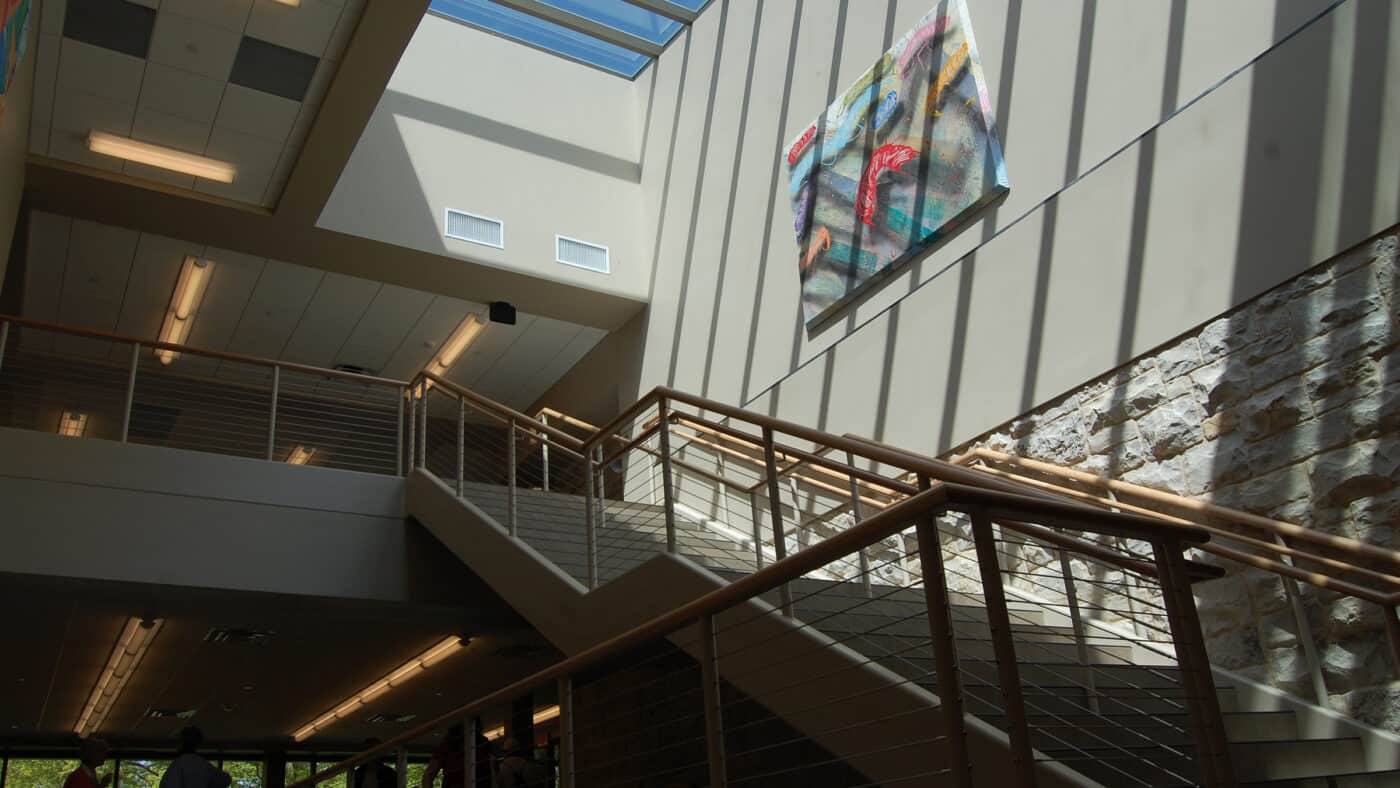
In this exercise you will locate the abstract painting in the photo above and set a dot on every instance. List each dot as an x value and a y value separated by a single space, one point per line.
14 29
901 160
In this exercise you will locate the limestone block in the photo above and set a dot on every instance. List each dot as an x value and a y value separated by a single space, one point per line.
1376 706
1288 670
1165 475
1354 663
1351 617
1367 336
1223 604
1266 591
1362 469
1061 441
1268 492
1273 411
1235 649
1173 427
1332 385
1118 404
1179 359
1278 630
1220 384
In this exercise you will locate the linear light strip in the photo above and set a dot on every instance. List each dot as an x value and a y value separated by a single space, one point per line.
444 649
126 657
160 156
184 304
463 335
543 715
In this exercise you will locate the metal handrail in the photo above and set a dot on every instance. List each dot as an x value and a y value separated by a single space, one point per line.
936 498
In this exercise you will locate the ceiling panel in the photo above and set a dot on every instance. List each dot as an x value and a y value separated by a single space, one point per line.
541 342
182 72
113 279
379 333
438 322
493 344
338 304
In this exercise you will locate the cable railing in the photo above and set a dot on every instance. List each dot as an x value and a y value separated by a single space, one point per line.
100 385
1044 594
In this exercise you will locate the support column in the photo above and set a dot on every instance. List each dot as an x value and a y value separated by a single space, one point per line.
714 718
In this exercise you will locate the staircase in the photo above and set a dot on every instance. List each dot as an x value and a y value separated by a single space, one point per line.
1130 729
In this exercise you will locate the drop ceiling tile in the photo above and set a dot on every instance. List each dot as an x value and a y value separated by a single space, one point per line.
382 328
427 336
76 114
153 274
334 311
228 14
148 173
110 24
235 275
273 69
257 113
51 16
539 343
99 71
549 373
99 265
193 45
306 116
490 346
254 158
274 309
305 28
45 260
147 3
181 93
45 81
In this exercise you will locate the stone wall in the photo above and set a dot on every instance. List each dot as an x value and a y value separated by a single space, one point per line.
1289 407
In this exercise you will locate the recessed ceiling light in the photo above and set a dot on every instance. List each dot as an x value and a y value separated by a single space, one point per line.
126 656
161 156
184 303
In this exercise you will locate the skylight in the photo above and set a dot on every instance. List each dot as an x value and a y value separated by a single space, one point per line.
619 36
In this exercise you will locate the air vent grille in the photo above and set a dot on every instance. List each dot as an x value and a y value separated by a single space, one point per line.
384 719
478 229
571 251
234 636
178 714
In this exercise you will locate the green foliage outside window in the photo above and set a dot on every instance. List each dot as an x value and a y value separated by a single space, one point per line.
40 772
141 773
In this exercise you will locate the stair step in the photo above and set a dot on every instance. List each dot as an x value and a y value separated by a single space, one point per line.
1357 780
1299 758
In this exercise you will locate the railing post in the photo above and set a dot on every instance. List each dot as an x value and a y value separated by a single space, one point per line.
1076 620
945 646
1208 728
1392 629
857 515
130 390
469 753
402 771
461 444
423 427
566 732
272 416
600 493
1300 621
398 438
510 477
714 720
663 433
544 454
4 340
757 515
590 525
412 394
1004 647
775 511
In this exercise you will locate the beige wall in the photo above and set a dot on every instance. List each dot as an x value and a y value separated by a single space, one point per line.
1258 175
481 124
14 144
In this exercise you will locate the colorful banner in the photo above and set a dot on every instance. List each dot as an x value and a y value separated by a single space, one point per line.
14 35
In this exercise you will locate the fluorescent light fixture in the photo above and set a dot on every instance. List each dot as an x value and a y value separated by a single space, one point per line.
160 156
465 333
444 649
292 3
543 715
184 303
300 455
72 423
131 648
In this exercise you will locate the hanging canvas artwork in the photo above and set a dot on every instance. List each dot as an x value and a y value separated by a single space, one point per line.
14 27
900 161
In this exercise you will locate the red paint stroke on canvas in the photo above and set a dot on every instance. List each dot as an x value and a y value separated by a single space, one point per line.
801 144
887 157
821 242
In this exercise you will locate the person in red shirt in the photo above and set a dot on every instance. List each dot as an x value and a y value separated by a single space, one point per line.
92 753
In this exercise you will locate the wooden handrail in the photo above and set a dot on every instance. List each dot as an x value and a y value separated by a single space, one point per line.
194 351
1286 530
508 413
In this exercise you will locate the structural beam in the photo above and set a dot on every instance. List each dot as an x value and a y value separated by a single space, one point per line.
584 25
668 10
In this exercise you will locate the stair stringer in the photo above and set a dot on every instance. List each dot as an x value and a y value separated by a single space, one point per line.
813 683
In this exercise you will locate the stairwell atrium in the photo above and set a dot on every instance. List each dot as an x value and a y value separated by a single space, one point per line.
700 393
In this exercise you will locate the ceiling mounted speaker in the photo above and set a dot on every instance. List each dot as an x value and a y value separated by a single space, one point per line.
502 312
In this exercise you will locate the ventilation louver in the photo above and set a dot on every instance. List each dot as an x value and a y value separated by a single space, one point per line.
477 229
383 719
177 714
571 251
234 636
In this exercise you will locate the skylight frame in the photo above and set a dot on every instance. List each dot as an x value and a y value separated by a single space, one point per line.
548 19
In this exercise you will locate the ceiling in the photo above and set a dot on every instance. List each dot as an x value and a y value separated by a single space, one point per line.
59 635
236 80
107 278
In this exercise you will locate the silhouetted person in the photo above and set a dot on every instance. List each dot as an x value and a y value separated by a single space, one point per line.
376 773
450 758
190 769
92 753
519 770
